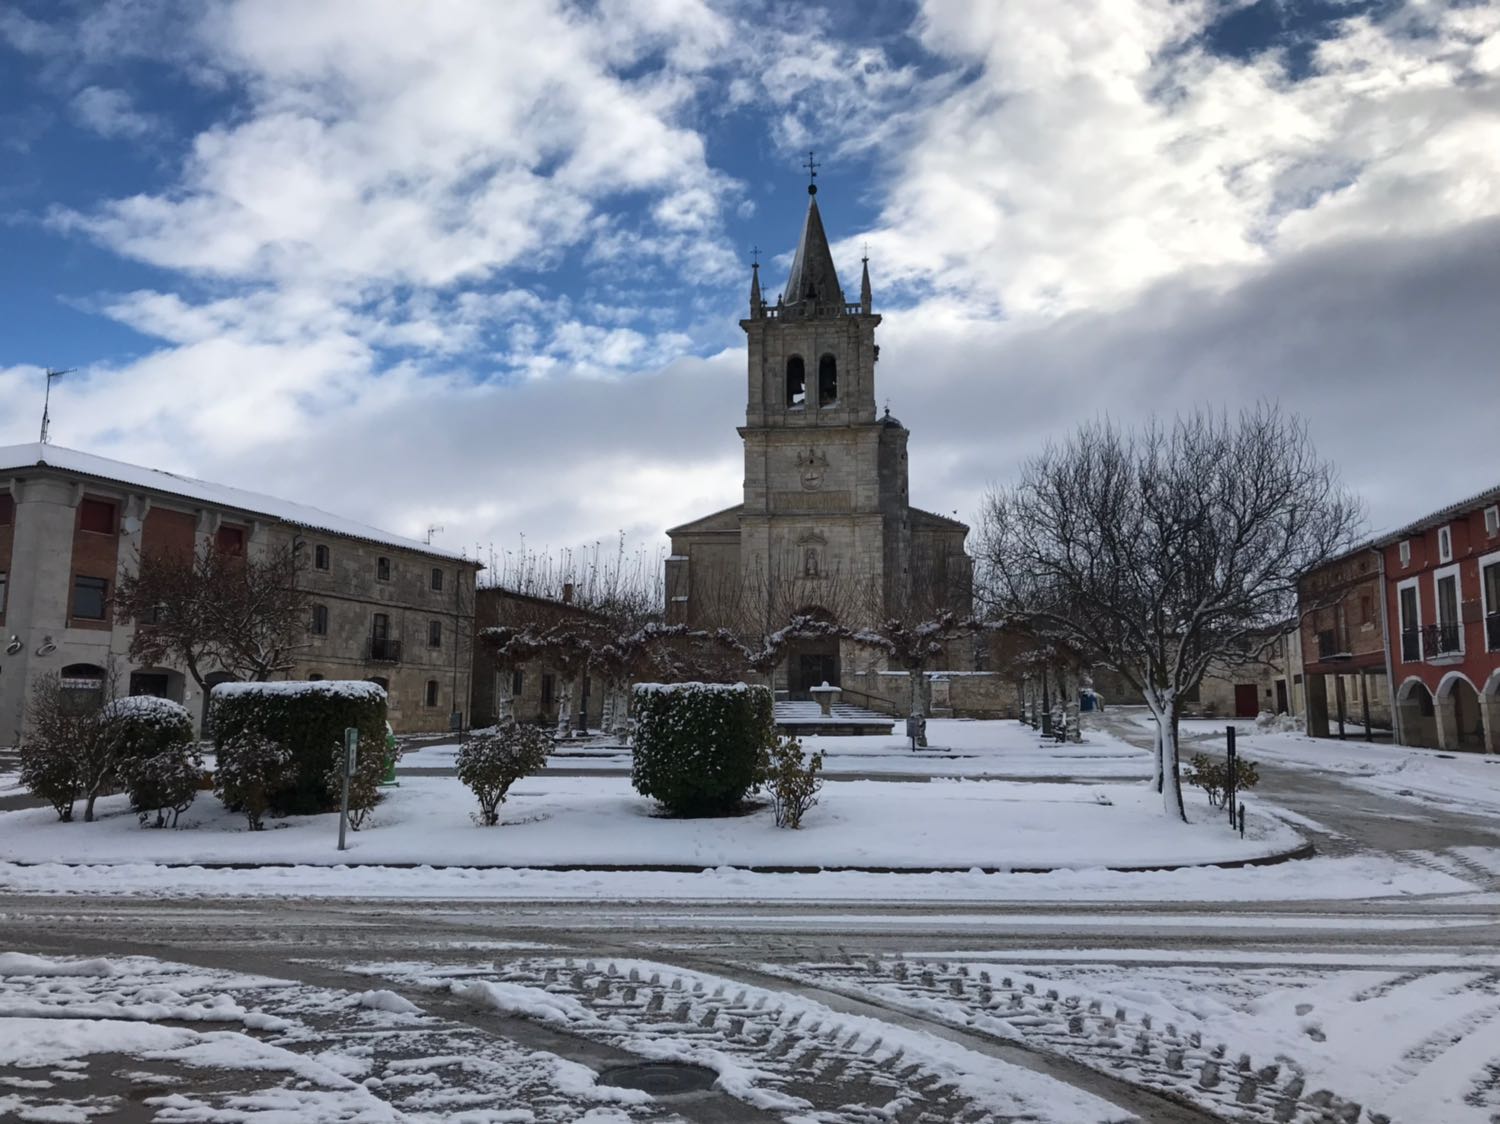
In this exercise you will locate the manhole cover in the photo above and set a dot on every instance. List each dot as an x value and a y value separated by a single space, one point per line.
660 1078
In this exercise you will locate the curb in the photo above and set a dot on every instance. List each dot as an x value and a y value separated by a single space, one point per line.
1306 851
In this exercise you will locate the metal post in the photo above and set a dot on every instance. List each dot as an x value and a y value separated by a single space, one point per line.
1046 705
1231 772
1242 821
351 757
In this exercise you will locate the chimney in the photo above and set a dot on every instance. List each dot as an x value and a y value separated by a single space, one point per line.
567 593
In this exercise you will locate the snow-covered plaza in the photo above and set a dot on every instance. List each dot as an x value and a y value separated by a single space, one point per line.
994 928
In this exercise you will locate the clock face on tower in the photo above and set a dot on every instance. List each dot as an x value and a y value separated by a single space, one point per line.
812 467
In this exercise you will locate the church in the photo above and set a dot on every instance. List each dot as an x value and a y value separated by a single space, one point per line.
826 527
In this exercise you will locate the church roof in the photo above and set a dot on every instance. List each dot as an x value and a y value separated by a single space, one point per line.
726 519
813 275
919 515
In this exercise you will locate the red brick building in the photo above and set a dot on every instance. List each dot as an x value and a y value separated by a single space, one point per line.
1412 616
1443 601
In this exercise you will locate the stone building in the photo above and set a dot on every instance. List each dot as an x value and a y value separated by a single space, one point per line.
825 527
391 610
535 687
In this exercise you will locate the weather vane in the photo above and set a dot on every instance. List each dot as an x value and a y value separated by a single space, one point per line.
812 167
755 257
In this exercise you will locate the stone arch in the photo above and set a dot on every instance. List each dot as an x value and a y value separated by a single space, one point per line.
828 380
796 381
812 661
1460 720
1418 714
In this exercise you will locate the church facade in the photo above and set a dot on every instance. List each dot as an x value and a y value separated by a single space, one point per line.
826 527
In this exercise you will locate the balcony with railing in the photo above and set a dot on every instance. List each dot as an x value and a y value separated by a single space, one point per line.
1441 641
384 650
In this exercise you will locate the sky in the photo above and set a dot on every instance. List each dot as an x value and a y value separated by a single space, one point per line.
481 265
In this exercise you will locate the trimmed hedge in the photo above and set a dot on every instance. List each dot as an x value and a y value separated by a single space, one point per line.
698 746
308 720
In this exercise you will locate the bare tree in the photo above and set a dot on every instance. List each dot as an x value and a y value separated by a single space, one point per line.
1158 552
215 609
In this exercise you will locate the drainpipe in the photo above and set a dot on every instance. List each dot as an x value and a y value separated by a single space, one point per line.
1385 634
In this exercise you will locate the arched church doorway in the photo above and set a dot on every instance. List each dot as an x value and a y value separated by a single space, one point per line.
812 661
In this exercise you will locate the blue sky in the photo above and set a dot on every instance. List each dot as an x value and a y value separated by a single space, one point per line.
482 265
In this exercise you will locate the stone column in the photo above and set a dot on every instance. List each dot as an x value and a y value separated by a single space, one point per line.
1489 711
1316 702
1445 709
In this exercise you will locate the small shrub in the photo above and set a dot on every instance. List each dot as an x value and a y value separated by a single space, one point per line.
491 761
152 743
167 782
250 767
1212 776
309 719
364 785
792 779
64 756
699 746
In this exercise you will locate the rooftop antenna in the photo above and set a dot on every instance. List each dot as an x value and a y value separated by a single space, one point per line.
47 399
434 529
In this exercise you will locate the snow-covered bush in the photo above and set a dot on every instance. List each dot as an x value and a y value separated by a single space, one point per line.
152 743
65 756
308 719
792 779
1213 776
364 784
490 761
698 746
250 767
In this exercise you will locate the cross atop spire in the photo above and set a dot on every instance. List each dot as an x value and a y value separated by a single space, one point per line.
812 167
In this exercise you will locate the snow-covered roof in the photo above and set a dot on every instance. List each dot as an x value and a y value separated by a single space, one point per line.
13 457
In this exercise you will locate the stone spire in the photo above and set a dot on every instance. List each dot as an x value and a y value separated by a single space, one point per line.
864 284
756 305
813 276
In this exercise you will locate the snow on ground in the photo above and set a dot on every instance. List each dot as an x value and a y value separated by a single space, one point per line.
1319 879
601 821
776 1051
85 1038
1417 1045
957 748
1470 781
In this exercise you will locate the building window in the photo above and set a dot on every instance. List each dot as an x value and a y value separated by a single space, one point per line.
796 382
432 692
320 620
1405 551
517 680
82 687
90 598
547 682
1491 519
828 381
97 517
437 580
7 509
1445 544
230 540
1366 609
321 557
1450 636
1489 582
383 569
434 634
1411 622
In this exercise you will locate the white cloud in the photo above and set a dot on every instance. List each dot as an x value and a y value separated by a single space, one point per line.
1098 215
111 113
